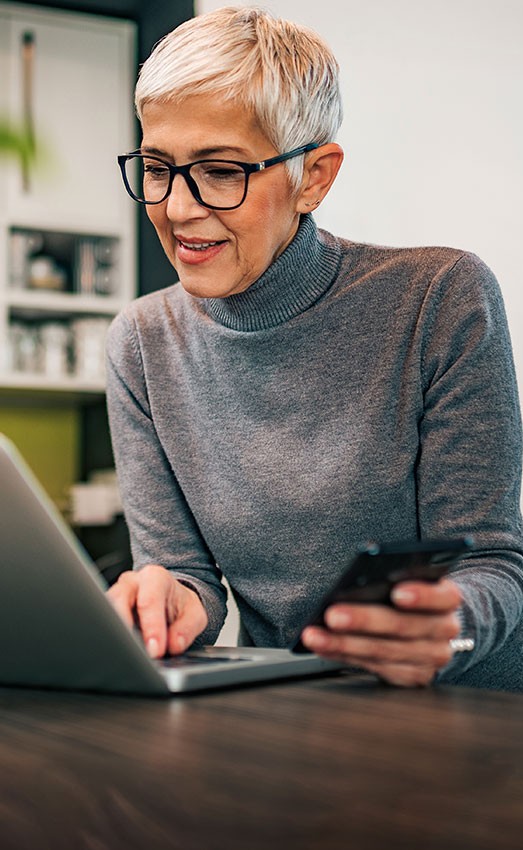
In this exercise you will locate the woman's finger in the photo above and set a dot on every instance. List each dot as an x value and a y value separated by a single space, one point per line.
389 622
443 595
122 596
190 621
363 650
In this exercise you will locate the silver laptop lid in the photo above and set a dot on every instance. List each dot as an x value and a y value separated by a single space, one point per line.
57 629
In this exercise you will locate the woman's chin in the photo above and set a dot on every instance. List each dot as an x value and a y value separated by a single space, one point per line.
202 285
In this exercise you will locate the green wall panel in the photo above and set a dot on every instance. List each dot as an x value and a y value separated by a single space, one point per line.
48 439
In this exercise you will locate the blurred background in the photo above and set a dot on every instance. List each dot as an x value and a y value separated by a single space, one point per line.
73 247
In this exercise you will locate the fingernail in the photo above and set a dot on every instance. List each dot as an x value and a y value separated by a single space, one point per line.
152 647
181 643
337 619
314 640
307 636
401 594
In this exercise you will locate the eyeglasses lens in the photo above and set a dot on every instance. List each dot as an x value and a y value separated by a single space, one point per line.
220 184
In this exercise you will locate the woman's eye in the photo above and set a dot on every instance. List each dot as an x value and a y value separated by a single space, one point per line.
222 174
158 172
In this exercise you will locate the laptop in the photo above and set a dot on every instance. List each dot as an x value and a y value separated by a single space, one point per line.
59 630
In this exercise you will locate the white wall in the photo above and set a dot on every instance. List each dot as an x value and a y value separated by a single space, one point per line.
433 130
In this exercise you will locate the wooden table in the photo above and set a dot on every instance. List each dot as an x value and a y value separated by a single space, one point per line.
327 763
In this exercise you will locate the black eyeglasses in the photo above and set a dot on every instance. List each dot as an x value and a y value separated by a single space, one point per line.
219 184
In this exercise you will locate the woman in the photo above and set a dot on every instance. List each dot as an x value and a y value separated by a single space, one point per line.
297 395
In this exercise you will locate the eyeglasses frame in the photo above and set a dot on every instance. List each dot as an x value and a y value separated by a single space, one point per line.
248 168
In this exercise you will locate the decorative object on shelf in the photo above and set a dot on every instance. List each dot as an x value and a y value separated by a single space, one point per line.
45 273
23 350
55 340
22 246
89 347
96 264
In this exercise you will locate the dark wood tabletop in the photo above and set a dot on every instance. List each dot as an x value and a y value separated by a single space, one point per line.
328 763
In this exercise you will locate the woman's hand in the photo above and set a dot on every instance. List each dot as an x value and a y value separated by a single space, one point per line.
405 645
169 614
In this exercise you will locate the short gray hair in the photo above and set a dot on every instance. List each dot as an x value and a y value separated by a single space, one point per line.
281 71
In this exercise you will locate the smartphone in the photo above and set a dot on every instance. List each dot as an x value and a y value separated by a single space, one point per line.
375 570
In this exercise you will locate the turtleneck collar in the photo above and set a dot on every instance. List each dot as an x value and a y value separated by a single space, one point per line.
291 284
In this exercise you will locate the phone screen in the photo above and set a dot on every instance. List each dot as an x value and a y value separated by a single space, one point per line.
376 569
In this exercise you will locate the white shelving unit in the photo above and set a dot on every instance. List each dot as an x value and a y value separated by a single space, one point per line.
67 229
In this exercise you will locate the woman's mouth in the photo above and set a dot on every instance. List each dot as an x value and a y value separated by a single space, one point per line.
194 252
197 246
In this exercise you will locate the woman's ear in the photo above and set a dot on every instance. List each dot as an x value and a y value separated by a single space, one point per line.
319 172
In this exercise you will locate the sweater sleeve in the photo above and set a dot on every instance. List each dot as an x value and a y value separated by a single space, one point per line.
161 526
469 468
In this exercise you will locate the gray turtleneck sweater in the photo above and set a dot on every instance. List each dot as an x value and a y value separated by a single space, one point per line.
352 393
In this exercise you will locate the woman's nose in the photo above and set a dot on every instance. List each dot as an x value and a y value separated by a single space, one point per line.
181 203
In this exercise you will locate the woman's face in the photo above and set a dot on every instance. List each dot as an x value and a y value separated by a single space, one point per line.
244 241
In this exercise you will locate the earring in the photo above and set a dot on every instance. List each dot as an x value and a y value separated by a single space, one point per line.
314 204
